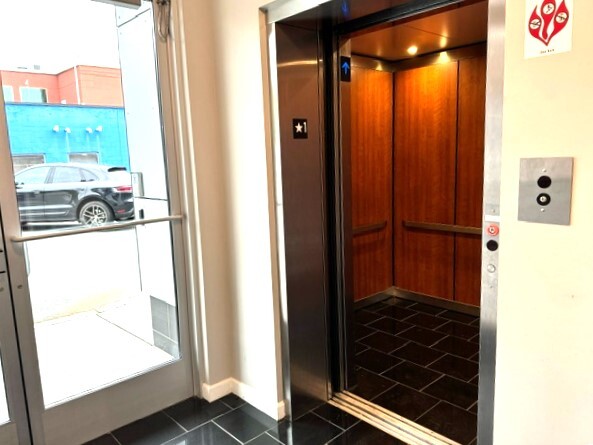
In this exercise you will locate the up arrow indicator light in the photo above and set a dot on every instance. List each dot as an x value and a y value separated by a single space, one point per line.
345 69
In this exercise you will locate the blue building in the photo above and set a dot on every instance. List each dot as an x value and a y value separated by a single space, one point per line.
67 133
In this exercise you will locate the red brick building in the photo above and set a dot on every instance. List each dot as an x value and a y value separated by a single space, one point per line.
79 85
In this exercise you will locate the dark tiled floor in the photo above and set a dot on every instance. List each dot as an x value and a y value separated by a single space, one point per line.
414 359
421 362
231 421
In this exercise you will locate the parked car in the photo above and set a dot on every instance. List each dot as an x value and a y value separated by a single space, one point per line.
88 193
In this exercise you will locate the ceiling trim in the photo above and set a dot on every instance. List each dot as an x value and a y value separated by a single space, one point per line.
399 12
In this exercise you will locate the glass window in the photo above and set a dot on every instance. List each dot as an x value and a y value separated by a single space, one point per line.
85 158
21 162
125 323
67 174
88 176
36 175
33 95
8 93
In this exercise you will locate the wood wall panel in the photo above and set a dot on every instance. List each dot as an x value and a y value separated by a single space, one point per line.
425 152
371 142
470 177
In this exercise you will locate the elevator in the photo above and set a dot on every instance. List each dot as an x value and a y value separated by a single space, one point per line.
381 211
417 176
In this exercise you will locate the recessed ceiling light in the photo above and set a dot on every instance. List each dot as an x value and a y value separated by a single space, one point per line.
412 50
444 57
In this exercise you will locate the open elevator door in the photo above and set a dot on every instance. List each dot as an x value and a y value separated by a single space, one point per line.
301 211
339 276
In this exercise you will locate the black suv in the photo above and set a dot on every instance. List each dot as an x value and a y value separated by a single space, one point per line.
88 193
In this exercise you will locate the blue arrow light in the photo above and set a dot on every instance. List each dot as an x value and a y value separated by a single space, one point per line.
345 8
346 67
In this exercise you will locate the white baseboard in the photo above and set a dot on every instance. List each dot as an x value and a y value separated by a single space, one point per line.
218 390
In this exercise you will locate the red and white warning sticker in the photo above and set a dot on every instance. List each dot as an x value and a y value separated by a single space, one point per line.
548 27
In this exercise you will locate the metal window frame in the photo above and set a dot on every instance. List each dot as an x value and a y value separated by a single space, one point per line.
6 88
83 154
18 426
29 155
282 9
28 88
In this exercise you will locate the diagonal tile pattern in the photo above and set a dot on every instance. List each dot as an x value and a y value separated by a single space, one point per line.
231 421
414 359
435 381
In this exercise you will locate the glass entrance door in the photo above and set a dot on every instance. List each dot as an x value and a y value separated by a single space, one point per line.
92 223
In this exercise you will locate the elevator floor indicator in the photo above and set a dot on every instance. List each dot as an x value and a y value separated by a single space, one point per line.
345 69
300 129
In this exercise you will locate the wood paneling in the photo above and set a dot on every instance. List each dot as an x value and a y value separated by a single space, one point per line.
425 152
470 177
371 142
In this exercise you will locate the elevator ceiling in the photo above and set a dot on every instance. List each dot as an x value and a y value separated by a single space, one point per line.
453 28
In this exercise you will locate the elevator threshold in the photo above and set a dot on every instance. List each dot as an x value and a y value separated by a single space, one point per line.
418 298
387 421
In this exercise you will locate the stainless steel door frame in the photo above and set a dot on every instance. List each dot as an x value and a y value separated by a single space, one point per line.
282 9
17 430
301 207
491 213
23 312
344 231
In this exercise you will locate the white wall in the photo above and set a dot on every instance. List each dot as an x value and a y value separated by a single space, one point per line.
193 34
544 381
226 100
240 71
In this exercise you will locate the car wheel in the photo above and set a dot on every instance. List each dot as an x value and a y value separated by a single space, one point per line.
95 213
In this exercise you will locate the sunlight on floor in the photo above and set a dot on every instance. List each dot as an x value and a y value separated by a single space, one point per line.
84 352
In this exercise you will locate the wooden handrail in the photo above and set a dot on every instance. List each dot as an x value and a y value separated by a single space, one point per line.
363 230
449 228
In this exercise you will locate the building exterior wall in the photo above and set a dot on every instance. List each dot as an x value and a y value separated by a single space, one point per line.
100 86
31 129
69 94
80 85
30 79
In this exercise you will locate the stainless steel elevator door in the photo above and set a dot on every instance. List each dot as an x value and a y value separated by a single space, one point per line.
303 208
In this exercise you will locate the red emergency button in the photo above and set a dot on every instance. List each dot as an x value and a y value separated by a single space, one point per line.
492 229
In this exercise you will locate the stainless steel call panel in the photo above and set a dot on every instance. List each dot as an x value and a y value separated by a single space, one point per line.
545 190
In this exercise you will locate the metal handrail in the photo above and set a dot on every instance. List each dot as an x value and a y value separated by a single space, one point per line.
449 228
362 230
106 228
